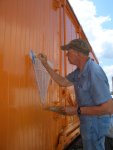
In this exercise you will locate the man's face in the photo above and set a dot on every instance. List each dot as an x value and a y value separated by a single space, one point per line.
73 57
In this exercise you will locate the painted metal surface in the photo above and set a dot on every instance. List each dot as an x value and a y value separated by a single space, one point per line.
40 25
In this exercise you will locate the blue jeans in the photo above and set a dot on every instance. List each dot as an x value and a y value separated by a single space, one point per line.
93 131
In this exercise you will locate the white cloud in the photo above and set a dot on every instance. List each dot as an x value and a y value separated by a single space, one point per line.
92 25
99 37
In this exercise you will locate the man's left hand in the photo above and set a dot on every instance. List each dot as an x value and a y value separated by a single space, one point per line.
69 110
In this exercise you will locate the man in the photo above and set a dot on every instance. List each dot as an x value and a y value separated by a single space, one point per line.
92 93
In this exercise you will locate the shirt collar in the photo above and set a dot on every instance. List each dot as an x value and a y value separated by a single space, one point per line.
85 69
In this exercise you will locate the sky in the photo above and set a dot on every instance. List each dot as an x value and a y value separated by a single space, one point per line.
96 19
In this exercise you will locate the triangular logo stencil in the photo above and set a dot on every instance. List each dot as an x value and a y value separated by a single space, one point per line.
42 76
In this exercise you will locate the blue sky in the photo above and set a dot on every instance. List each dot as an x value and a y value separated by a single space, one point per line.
96 19
104 8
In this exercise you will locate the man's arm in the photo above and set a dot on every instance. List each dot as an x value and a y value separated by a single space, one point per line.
103 109
62 81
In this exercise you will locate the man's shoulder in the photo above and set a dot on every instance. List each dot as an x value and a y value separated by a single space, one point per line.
94 67
96 70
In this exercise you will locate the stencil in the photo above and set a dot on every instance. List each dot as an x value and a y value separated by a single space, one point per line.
42 76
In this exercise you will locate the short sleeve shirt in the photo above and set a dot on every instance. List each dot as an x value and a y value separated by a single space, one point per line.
91 88
91 85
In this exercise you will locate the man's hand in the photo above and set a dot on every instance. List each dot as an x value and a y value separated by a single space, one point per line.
62 81
43 58
69 110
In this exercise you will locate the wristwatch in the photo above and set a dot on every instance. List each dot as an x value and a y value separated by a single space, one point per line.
78 111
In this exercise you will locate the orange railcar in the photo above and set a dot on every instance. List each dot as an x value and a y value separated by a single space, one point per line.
41 25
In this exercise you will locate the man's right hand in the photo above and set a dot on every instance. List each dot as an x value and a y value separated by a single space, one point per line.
43 58
62 81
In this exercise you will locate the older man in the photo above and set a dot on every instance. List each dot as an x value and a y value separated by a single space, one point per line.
92 93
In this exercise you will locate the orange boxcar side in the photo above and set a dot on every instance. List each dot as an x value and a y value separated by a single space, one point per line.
40 25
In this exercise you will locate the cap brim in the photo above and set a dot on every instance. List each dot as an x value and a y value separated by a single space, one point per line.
65 47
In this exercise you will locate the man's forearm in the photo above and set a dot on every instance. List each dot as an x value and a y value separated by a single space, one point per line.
94 110
62 81
103 109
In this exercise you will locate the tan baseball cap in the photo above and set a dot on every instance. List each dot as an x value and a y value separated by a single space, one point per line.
78 45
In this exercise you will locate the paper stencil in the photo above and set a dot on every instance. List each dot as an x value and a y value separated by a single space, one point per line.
42 77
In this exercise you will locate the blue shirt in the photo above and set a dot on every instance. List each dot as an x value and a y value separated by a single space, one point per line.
91 85
91 88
